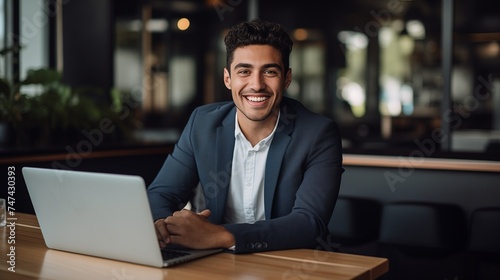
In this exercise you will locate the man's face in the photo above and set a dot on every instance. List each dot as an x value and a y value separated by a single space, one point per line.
257 82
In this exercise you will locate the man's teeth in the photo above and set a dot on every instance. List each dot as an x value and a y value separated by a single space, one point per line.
256 99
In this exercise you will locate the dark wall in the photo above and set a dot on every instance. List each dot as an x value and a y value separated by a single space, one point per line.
146 166
88 40
403 237
469 190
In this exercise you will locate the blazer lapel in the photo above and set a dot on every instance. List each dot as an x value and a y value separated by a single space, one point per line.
276 154
224 146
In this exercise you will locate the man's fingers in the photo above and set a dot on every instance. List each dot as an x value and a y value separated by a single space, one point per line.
194 230
162 232
205 213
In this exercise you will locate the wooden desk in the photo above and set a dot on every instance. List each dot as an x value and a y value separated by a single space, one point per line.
33 260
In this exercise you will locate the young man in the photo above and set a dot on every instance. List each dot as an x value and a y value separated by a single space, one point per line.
268 168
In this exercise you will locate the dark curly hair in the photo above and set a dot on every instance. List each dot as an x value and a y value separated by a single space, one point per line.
258 32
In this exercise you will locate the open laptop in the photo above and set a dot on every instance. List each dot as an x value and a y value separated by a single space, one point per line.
99 214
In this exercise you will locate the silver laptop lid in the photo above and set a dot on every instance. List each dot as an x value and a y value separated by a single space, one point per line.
104 215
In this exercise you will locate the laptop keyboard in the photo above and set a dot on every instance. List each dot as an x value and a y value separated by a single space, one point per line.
171 254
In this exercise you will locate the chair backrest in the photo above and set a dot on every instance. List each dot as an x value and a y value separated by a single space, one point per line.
423 240
355 220
425 225
484 230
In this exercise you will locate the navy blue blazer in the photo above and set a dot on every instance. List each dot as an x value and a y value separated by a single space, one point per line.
302 176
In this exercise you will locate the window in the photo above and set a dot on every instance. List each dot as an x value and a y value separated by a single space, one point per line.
25 23
396 75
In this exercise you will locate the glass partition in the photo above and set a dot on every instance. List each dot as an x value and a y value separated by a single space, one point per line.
374 67
381 69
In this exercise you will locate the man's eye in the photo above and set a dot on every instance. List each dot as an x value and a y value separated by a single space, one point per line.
243 72
271 73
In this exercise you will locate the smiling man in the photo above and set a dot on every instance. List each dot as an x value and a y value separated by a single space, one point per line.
262 172
257 79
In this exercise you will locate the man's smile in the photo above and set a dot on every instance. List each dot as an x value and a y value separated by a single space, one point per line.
256 98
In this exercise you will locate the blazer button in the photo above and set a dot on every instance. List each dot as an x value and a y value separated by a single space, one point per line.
258 245
250 245
264 245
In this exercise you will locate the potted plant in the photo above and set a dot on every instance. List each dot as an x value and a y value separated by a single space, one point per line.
42 111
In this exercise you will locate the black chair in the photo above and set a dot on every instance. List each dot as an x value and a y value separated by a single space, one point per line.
355 225
484 244
423 241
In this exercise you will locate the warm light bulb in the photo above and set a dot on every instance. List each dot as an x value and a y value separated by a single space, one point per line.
300 34
183 24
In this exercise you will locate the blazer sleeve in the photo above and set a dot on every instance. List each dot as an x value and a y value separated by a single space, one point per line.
177 179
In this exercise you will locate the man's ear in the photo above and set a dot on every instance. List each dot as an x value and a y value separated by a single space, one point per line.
288 78
227 79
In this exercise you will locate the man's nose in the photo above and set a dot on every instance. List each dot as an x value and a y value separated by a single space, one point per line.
257 82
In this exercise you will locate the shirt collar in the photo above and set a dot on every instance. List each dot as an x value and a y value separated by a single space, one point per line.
265 141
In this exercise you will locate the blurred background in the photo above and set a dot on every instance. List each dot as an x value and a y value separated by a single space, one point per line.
107 86
397 75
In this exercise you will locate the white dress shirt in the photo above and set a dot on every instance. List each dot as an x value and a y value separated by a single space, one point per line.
245 202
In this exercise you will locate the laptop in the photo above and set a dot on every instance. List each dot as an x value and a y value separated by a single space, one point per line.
100 214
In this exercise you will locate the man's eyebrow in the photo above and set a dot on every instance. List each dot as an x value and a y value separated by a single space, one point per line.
243 65
265 66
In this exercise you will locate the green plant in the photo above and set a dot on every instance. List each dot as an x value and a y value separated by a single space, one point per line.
41 110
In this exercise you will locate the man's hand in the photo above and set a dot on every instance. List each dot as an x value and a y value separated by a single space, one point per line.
162 233
192 230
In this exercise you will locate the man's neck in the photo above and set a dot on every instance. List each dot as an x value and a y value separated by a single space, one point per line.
255 131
